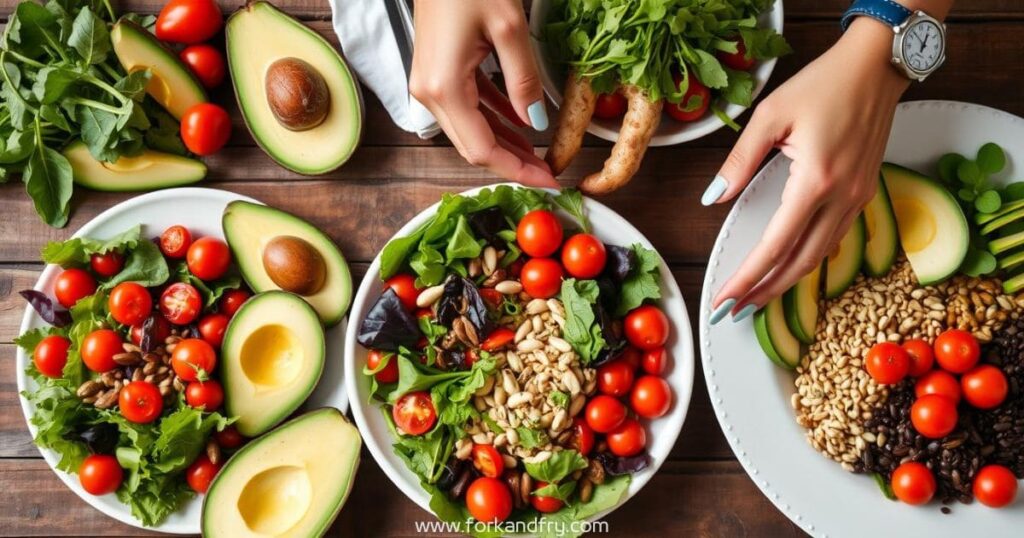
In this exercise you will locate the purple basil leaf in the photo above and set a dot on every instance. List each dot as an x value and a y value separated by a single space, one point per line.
456 290
44 307
621 261
618 466
388 325
147 344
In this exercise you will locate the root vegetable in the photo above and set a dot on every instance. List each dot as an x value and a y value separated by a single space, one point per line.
638 127
578 104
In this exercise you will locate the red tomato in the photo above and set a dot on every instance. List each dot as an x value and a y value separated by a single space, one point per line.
615 378
738 60
583 256
100 474
985 386
604 413
539 233
488 461
938 382
913 483
516 268
921 357
130 303
161 330
193 359
389 374
205 128
174 242
188 21
489 500
995 486
888 363
695 91
499 338
404 285
425 312
72 285
99 348
651 396
493 297
206 62
212 328
231 301
180 303
205 394
50 355
229 438
647 327
610 106
542 278
209 258
414 413
582 436
629 439
107 264
140 402
655 361
631 355
957 351
201 473
542 503
471 357
933 416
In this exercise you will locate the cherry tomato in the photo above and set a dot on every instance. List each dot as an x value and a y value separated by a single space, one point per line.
913 483
583 256
696 92
72 285
99 348
389 374
160 331
100 474
985 386
107 264
231 301
193 359
206 62
539 233
582 436
201 473
140 402
957 351
180 303
651 396
995 486
629 439
229 438
212 328
921 357
604 413
50 355
655 361
174 242
631 355
738 60
499 338
471 357
130 303
938 382
428 313
205 394
543 503
404 285
205 128
647 327
488 461
615 378
610 106
516 268
887 362
489 500
188 21
209 258
493 297
542 278
933 416
414 413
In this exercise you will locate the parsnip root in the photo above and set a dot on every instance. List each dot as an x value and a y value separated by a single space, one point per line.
638 127
578 103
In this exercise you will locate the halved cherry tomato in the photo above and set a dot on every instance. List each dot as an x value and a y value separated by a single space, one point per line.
209 258
205 128
180 303
188 21
543 503
651 396
489 500
584 256
738 60
697 95
493 297
140 402
205 394
160 331
174 242
647 327
107 264
539 233
499 338
99 348
206 62
229 438
404 285
957 351
615 378
542 278
232 300
933 416
100 474
212 328
582 436
610 106
995 486
921 357
604 413
193 359
887 363
72 285
488 461
985 386
50 355
414 413
201 473
655 361
913 483
388 374
629 439
938 382
130 303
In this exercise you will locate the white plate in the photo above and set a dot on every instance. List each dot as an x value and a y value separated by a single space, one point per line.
200 210
662 432
751 395
670 131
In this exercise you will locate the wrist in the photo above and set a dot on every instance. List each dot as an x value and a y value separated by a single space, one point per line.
868 44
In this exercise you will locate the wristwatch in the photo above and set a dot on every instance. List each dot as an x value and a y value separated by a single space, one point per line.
919 40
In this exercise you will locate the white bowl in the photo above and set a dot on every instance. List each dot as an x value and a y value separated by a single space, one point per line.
669 131
662 432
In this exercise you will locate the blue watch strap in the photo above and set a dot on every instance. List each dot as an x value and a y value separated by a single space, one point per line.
886 11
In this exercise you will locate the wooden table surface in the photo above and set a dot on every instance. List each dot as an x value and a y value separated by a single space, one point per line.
701 490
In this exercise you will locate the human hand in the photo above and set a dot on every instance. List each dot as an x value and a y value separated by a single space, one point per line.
452 38
832 119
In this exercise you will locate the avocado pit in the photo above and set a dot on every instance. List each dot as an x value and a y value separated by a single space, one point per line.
297 94
294 265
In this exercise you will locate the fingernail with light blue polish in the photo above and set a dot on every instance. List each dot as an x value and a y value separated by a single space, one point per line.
714 191
744 313
722 311
538 115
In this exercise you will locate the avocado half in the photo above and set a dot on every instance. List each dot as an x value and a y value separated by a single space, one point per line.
171 82
258 35
292 482
148 170
271 360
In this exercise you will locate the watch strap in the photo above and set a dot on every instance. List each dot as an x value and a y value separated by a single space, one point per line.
887 11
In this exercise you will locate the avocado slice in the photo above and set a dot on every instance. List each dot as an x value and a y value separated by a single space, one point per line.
257 36
843 265
271 360
292 482
882 237
800 304
250 227
146 171
774 336
933 229
171 83
984 218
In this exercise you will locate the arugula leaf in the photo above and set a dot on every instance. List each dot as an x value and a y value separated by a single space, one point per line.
642 282
559 399
48 181
560 465
581 327
571 200
78 250
605 496
427 454
89 36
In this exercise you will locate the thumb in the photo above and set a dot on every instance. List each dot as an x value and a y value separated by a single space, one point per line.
754 143
511 39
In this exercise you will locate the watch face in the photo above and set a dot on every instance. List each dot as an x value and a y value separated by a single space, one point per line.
922 46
